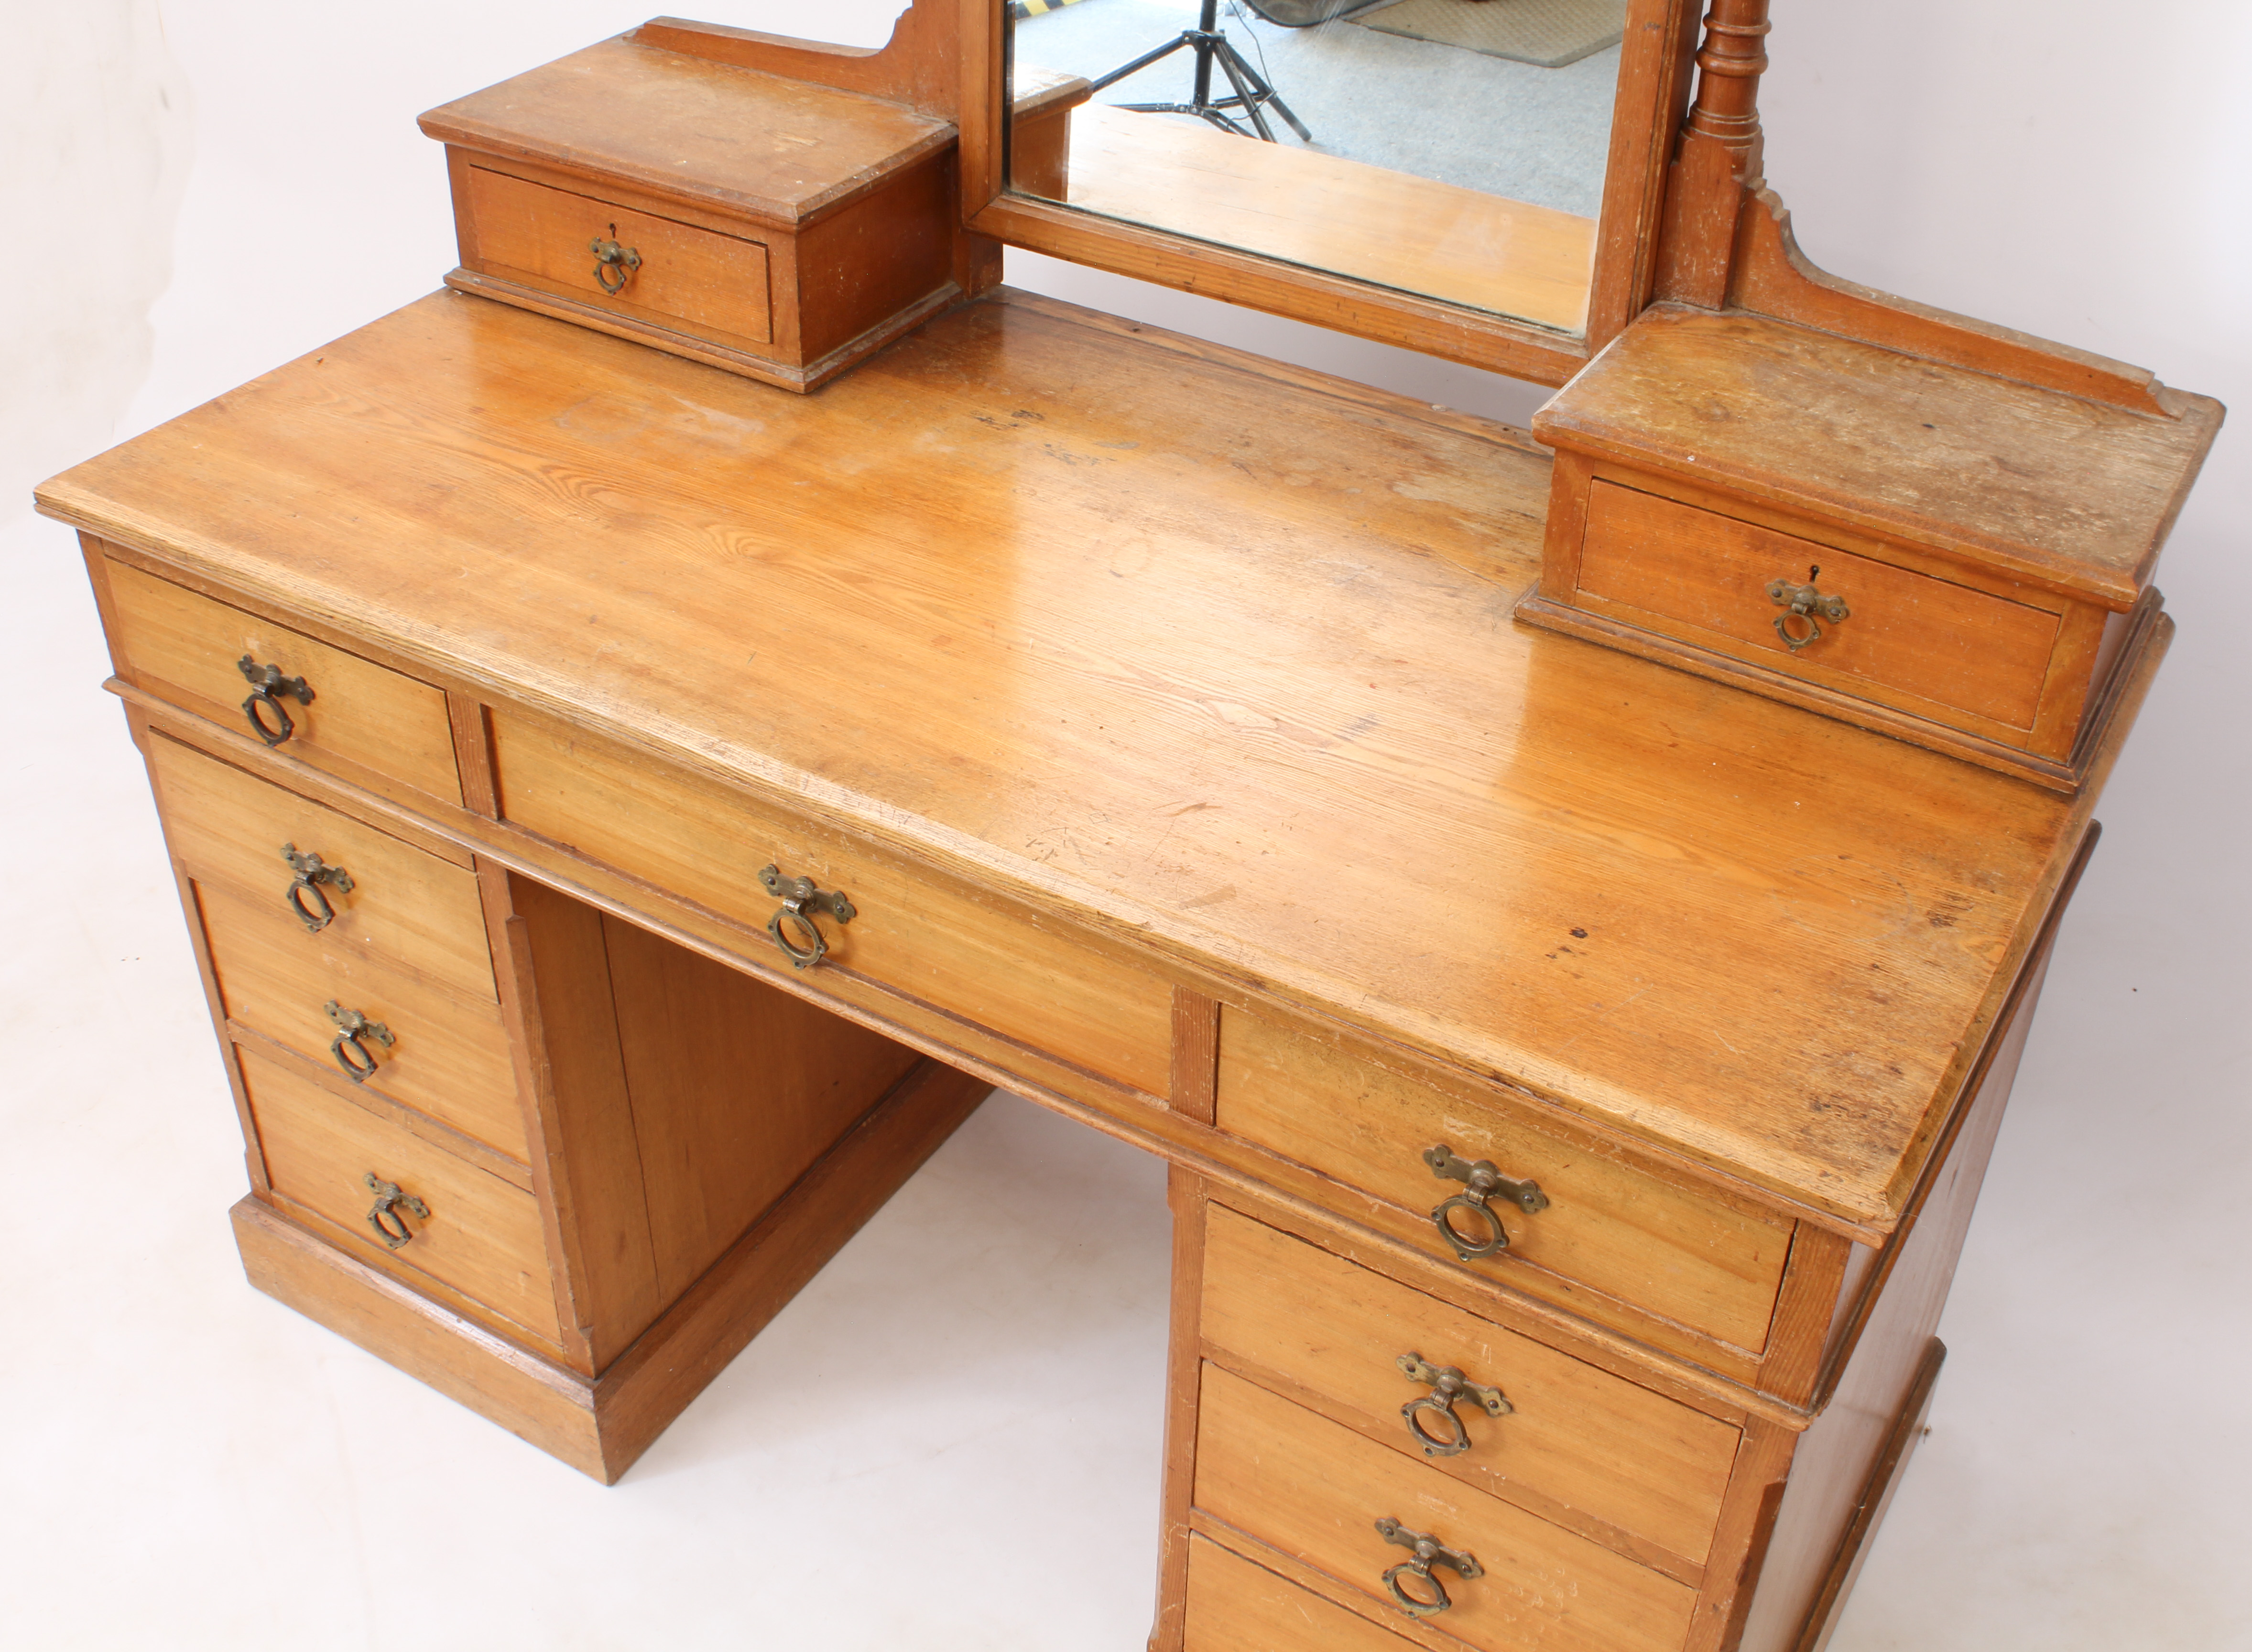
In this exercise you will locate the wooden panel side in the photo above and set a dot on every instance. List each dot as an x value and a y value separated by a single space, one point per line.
735 1089
1189 1198
1196 1054
886 253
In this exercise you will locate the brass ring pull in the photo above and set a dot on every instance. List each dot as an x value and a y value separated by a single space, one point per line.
269 719
353 1028
1447 1385
610 259
390 1226
1482 1183
801 900
305 896
1804 603
1430 1598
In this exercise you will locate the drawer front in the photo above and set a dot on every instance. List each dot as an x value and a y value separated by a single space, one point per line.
1315 1490
1578 1444
1956 648
1608 1230
997 968
713 284
410 909
447 1056
481 1236
364 723
1236 1607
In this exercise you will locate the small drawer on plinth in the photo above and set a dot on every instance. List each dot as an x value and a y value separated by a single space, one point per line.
1811 608
837 916
1478 1183
1236 1607
403 1039
358 720
658 269
1495 1577
321 873
389 1195
1498 1411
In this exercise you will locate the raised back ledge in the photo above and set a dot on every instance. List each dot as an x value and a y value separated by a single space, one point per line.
919 65
1770 276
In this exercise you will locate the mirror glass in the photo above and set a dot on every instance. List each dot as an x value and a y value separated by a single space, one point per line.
1452 148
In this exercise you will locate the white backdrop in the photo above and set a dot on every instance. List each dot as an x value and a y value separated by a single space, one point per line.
199 192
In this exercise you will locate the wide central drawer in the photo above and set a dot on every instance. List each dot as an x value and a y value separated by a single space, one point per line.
1575 1444
1607 1229
1317 1491
973 958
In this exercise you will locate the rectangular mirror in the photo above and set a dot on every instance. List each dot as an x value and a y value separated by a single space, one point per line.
1454 150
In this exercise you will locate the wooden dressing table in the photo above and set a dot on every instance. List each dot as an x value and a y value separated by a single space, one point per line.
663 804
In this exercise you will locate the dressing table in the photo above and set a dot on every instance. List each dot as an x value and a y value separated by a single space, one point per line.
721 773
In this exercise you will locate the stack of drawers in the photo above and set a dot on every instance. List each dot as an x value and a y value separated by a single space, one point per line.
353 972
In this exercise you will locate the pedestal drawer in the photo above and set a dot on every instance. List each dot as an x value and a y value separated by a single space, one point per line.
362 722
1315 1491
438 1054
1606 1229
1615 1462
1236 1607
389 899
475 1232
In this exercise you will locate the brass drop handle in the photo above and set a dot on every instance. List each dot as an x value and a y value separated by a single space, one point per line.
1447 1385
390 1226
269 719
1429 1597
801 900
1482 1182
1804 603
306 897
610 259
353 1029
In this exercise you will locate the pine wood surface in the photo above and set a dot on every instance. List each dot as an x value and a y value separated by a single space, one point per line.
364 724
1613 1462
782 150
482 1236
2073 494
417 913
1207 653
1346 217
1315 1490
1234 1605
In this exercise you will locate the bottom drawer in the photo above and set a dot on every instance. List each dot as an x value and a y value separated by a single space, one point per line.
1236 1607
1315 1491
481 1235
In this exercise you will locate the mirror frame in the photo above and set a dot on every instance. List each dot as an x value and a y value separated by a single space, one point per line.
1655 68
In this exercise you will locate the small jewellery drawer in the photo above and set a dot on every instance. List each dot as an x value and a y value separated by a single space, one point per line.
1353 1509
1526 1423
392 1194
1926 639
659 269
360 721
403 1039
323 873
1237 1607
1597 1227
897 929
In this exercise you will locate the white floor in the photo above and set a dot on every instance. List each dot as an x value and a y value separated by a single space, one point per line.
951 1441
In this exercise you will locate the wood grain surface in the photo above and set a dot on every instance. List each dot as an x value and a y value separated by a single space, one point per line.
1234 1605
782 150
1210 655
2074 494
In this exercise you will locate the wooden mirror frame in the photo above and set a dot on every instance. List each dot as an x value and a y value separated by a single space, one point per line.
1653 87
1686 215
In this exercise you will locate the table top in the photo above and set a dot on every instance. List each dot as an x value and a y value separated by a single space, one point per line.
1211 654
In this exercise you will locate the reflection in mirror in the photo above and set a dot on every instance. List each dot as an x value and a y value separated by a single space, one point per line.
1453 148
